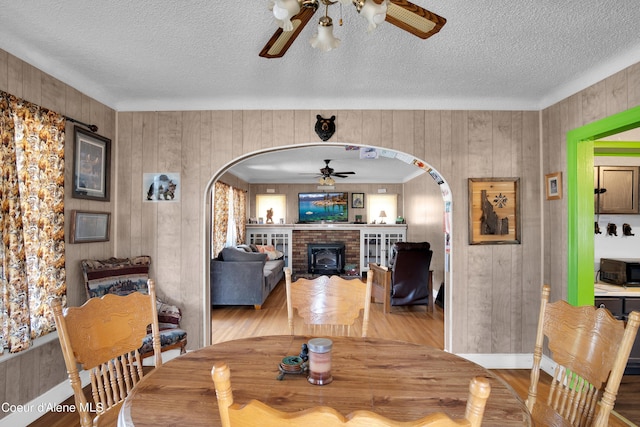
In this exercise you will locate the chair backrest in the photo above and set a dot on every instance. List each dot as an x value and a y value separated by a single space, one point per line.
409 264
257 413
103 335
328 305
590 348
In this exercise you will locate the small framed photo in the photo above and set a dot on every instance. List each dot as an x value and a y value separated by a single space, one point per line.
357 200
91 165
553 185
88 227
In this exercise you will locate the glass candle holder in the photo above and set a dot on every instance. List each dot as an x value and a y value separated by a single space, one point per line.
320 361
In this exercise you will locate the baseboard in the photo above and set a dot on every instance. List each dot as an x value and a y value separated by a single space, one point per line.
51 400
509 361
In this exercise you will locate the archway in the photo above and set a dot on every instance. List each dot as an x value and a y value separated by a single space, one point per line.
439 180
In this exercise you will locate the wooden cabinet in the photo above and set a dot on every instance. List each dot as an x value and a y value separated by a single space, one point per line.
621 185
278 237
376 243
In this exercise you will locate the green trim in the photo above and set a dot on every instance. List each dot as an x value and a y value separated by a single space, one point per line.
580 226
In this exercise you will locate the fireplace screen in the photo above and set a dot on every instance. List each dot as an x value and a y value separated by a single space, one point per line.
326 258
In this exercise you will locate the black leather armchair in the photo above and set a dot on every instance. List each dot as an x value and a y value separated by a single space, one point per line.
409 265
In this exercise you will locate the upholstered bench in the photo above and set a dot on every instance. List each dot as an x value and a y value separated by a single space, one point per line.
122 276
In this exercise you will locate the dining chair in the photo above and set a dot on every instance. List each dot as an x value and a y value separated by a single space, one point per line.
328 305
104 336
589 348
256 412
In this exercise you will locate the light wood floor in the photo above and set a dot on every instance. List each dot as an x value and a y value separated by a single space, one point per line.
404 323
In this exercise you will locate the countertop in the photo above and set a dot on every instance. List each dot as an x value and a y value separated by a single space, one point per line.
608 290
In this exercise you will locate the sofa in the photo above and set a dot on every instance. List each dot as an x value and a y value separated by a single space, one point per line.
245 276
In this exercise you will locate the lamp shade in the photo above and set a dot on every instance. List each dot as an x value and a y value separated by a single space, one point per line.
324 39
283 11
374 13
383 214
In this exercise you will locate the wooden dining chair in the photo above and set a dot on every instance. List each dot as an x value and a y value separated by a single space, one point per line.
328 305
104 335
590 348
256 412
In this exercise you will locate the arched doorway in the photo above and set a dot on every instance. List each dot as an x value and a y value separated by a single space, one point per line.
438 180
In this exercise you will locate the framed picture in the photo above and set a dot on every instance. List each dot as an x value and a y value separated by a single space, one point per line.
91 164
161 187
494 211
357 200
553 184
87 227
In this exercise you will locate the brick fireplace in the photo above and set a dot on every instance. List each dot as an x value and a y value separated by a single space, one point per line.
302 238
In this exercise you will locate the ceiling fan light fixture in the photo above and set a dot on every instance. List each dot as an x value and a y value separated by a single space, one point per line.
283 11
324 38
374 13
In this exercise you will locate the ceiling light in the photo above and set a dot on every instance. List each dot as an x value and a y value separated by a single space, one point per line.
374 11
283 11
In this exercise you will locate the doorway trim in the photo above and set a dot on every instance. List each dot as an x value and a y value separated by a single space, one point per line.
581 143
447 197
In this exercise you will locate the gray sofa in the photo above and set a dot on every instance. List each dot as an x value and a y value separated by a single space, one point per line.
239 277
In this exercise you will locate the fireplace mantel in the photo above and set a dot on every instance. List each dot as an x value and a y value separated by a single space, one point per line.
330 226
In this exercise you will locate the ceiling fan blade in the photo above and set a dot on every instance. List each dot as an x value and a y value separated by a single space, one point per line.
339 175
414 19
281 40
343 173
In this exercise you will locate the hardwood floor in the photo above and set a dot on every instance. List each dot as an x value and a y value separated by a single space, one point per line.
404 323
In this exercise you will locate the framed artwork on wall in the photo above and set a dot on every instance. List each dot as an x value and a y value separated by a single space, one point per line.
553 185
91 165
357 200
494 211
88 227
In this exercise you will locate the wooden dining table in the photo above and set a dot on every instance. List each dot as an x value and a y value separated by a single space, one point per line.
399 380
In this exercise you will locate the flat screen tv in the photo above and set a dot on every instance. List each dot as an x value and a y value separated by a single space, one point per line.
323 207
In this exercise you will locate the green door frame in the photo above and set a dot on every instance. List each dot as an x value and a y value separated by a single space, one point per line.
581 143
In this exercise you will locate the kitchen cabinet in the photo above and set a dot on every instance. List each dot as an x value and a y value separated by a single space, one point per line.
621 185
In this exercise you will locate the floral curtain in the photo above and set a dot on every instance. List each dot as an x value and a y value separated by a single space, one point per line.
228 199
220 215
31 220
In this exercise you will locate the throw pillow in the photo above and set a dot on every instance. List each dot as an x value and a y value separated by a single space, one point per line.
272 253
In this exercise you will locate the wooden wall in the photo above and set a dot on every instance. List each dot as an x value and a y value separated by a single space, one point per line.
30 373
612 95
489 283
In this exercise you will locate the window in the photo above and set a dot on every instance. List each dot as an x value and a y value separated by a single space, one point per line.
378 203
275 202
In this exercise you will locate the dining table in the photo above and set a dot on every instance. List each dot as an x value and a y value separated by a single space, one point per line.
397 379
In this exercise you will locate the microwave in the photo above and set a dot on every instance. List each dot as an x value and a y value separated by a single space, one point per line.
621 271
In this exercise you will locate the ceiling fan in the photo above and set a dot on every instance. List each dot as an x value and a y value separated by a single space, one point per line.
293 15
327 173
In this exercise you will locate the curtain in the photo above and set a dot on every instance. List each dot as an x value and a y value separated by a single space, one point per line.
220 215
31 220
227 201
240 214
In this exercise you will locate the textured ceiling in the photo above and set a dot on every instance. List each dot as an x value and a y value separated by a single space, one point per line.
196 54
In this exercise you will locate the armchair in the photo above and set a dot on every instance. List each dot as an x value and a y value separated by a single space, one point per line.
122 276
409 265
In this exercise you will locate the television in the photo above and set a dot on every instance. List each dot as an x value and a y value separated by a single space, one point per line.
323 207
